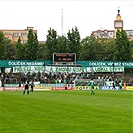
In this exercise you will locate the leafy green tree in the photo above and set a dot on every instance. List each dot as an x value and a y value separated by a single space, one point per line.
10 50
19 53
32 46
2 46
62 44
131 42
91 49
36 46
73 45
96 50
51 43
24 51
122 49
42 52
6 47
84 51
106 48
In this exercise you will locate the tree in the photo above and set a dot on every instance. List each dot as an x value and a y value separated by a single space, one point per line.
84 51
10 50
24 51
19 49
122 51
62 44
131 42
42 52
106 48
91 49
73 45
35 46
2 46
51 43
32 46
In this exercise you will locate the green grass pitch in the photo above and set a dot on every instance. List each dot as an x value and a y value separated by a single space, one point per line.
66 112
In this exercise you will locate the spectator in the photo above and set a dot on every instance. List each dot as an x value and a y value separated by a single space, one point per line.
45 79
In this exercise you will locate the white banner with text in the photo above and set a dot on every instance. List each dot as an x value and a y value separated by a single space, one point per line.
47 69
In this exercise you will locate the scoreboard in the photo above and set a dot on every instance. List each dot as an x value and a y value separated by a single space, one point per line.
64 58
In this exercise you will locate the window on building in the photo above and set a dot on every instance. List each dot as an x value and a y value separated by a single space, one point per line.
23 34
15 34
127 33
131 33
7 33
24 41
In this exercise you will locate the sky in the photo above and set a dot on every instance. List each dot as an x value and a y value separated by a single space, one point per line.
86 15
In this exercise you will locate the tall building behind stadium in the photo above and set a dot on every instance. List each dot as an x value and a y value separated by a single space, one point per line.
118 25
14 35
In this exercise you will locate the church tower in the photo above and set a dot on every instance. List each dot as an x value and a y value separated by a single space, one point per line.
118 23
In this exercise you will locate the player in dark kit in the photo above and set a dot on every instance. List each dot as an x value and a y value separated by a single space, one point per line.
32 86
26 88
113 85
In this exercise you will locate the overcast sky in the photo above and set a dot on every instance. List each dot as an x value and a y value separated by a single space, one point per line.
87 15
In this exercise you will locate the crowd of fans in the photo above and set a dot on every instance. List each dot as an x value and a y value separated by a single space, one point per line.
45 78
55 77
60 78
